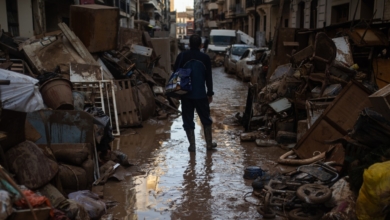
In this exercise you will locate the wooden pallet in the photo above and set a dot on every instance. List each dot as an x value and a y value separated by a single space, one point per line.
127 104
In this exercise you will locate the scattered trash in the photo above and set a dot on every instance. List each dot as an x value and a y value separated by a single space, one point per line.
253 172
91 202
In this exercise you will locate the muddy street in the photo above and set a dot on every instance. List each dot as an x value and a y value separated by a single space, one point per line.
171 183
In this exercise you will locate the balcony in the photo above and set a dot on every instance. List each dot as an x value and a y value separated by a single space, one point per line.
199 20
213 24
206 11
144 16
212 6
220 2
251 3
126 9
154 3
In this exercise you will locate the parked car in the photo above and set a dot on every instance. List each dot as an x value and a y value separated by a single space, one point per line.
247 61
260 71
233 54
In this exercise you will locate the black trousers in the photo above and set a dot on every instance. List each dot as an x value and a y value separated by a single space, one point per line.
188 107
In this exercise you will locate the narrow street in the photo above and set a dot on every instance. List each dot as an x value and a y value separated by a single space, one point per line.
170 183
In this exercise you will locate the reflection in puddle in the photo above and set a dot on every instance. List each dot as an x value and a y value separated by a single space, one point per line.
179 185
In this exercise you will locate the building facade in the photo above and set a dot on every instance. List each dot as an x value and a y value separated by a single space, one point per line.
27 18
185 23
258 18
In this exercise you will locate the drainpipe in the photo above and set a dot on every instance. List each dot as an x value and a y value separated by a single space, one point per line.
127 13
254 21
137 9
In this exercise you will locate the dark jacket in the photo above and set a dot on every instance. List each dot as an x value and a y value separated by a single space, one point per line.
201 75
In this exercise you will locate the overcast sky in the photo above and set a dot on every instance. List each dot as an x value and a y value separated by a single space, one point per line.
180 5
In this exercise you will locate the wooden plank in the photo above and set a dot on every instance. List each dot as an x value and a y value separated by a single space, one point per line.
129 112
280 57
77 44
290 44
167 105
334 123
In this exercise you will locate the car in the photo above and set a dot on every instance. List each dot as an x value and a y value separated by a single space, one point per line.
233 54
247 61
260 71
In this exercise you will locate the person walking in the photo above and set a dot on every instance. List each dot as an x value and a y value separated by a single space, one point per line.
206 44
198 98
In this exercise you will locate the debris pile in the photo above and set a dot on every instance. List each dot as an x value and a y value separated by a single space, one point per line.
65 96
327 107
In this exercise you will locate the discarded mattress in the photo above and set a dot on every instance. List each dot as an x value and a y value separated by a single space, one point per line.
22 94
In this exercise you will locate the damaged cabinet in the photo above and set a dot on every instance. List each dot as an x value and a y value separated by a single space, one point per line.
96 25
339 117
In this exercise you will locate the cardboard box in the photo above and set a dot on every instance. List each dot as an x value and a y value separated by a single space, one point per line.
96 26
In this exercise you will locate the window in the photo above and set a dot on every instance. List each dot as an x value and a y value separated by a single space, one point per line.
245 54
239 51
340 13
285 22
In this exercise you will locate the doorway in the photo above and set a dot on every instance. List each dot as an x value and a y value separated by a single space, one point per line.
13 18
301 15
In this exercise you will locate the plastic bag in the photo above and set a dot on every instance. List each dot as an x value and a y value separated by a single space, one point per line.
91 202
103 130
342 201
5 204
73 210
374 195
22 94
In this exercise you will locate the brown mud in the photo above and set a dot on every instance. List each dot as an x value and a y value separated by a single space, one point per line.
171 183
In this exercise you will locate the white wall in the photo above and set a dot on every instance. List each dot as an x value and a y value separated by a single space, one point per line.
3 16
26 28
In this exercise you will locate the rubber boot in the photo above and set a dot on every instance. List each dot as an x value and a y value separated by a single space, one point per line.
191 138
210 145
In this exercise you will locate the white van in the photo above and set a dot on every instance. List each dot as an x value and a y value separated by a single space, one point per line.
220 40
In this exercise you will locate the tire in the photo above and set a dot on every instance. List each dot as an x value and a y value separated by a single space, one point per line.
314 193
300 214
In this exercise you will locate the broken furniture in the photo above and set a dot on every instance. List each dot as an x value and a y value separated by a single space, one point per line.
97 26
339 117
102 95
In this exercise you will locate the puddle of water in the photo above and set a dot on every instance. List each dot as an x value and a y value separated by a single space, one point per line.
179 185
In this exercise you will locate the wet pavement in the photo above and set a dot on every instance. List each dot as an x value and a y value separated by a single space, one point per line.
171 183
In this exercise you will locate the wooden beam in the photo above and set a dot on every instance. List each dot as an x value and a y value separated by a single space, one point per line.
290 44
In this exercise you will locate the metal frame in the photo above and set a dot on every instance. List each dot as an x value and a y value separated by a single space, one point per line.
103 87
